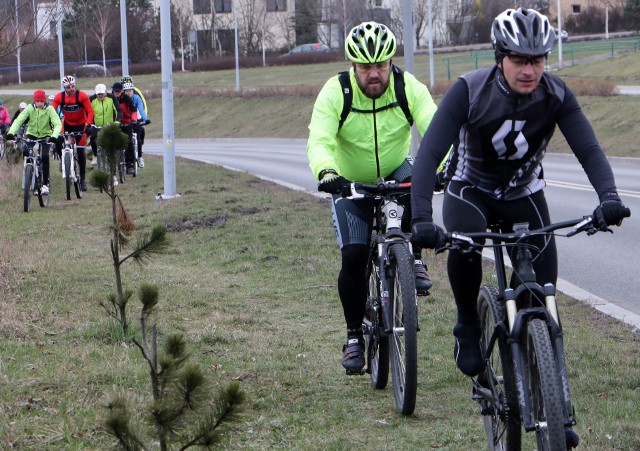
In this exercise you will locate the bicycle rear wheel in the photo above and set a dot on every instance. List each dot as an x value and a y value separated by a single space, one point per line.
376 341
497 393
27 186
544 390
67 173
404 339
3 148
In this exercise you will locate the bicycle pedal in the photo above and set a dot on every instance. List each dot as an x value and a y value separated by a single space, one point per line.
355 372
422 292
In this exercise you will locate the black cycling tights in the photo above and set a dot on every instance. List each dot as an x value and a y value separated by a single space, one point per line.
467 209
353 283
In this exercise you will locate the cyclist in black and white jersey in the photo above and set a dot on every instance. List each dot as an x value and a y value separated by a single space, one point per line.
500 121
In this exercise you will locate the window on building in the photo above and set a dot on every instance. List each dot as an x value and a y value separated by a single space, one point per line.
222 6
575 9
201 6
276 5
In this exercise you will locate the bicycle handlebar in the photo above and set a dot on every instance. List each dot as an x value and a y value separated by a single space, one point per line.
584 224
381 189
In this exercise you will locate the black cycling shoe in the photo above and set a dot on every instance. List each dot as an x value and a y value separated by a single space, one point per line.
353 356
467 351
423 281
572 438
83 185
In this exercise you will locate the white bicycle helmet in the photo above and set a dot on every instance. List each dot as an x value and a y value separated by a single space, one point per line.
524 31
127 85
68 81
369 43
101 89
51 97
22 105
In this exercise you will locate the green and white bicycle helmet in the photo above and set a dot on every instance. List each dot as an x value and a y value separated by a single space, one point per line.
370 43
524 31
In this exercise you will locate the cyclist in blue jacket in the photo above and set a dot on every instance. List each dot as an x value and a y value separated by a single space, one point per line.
143 119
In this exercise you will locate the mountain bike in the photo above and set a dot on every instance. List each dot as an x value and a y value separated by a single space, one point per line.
121 164
390 324
134 141
32 172
524 382
69 164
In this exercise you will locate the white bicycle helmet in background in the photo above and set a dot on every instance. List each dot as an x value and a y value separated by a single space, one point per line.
68 81
22 105
51 97
370 43
101 89
127 85
524 31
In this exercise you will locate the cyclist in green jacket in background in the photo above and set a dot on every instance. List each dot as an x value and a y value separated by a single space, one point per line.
106 110
373 141
44 122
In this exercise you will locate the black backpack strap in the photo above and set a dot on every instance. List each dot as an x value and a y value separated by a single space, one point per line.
347 94
401 95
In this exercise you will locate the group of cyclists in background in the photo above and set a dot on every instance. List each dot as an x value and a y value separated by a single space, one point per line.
73 110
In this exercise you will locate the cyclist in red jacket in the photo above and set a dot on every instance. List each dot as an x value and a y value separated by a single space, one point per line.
129 118
77 115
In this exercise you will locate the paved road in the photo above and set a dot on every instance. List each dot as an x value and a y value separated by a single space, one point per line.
595 269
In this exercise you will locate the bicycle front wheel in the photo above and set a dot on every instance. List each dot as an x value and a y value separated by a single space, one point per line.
3 148
544 390
76 183
27 186
376 341
404 338
67 173
498 397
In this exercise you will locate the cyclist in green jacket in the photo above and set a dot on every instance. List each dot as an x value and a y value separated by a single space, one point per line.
106 110
44 122
373 141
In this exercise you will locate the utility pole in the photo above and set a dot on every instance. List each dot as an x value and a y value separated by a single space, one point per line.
60 46
123 37
169 158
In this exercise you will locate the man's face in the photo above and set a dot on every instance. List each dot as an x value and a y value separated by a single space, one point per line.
70 90
101 96
523 73
129 92
117 93
373 79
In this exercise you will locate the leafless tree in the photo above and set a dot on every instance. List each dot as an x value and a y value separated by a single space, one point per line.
183 20
251 19
104 27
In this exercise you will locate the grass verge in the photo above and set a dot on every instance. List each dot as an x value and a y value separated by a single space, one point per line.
251 282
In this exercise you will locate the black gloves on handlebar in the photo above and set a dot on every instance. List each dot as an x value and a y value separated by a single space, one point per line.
427 235
147 122
610 212
10 136
52 140
333 183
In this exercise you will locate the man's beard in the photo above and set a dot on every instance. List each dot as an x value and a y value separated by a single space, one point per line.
373 92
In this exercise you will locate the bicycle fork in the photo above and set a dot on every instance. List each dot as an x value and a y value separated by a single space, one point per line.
72 168
517 331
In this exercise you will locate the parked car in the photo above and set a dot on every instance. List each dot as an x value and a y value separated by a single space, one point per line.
315 47
91 70
563 35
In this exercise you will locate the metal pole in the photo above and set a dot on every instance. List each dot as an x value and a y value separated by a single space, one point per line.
560 33
60 46
235 29
18 49
407 31
123 37
167 102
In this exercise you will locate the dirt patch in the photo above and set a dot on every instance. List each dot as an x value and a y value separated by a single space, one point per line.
196 223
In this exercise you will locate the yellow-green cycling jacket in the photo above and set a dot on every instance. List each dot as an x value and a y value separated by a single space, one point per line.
43 122
369 145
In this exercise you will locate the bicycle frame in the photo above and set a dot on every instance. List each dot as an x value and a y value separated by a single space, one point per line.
31 159
387 222
70 148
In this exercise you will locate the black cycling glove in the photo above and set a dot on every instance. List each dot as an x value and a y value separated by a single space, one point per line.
333 183
610 212
427 235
